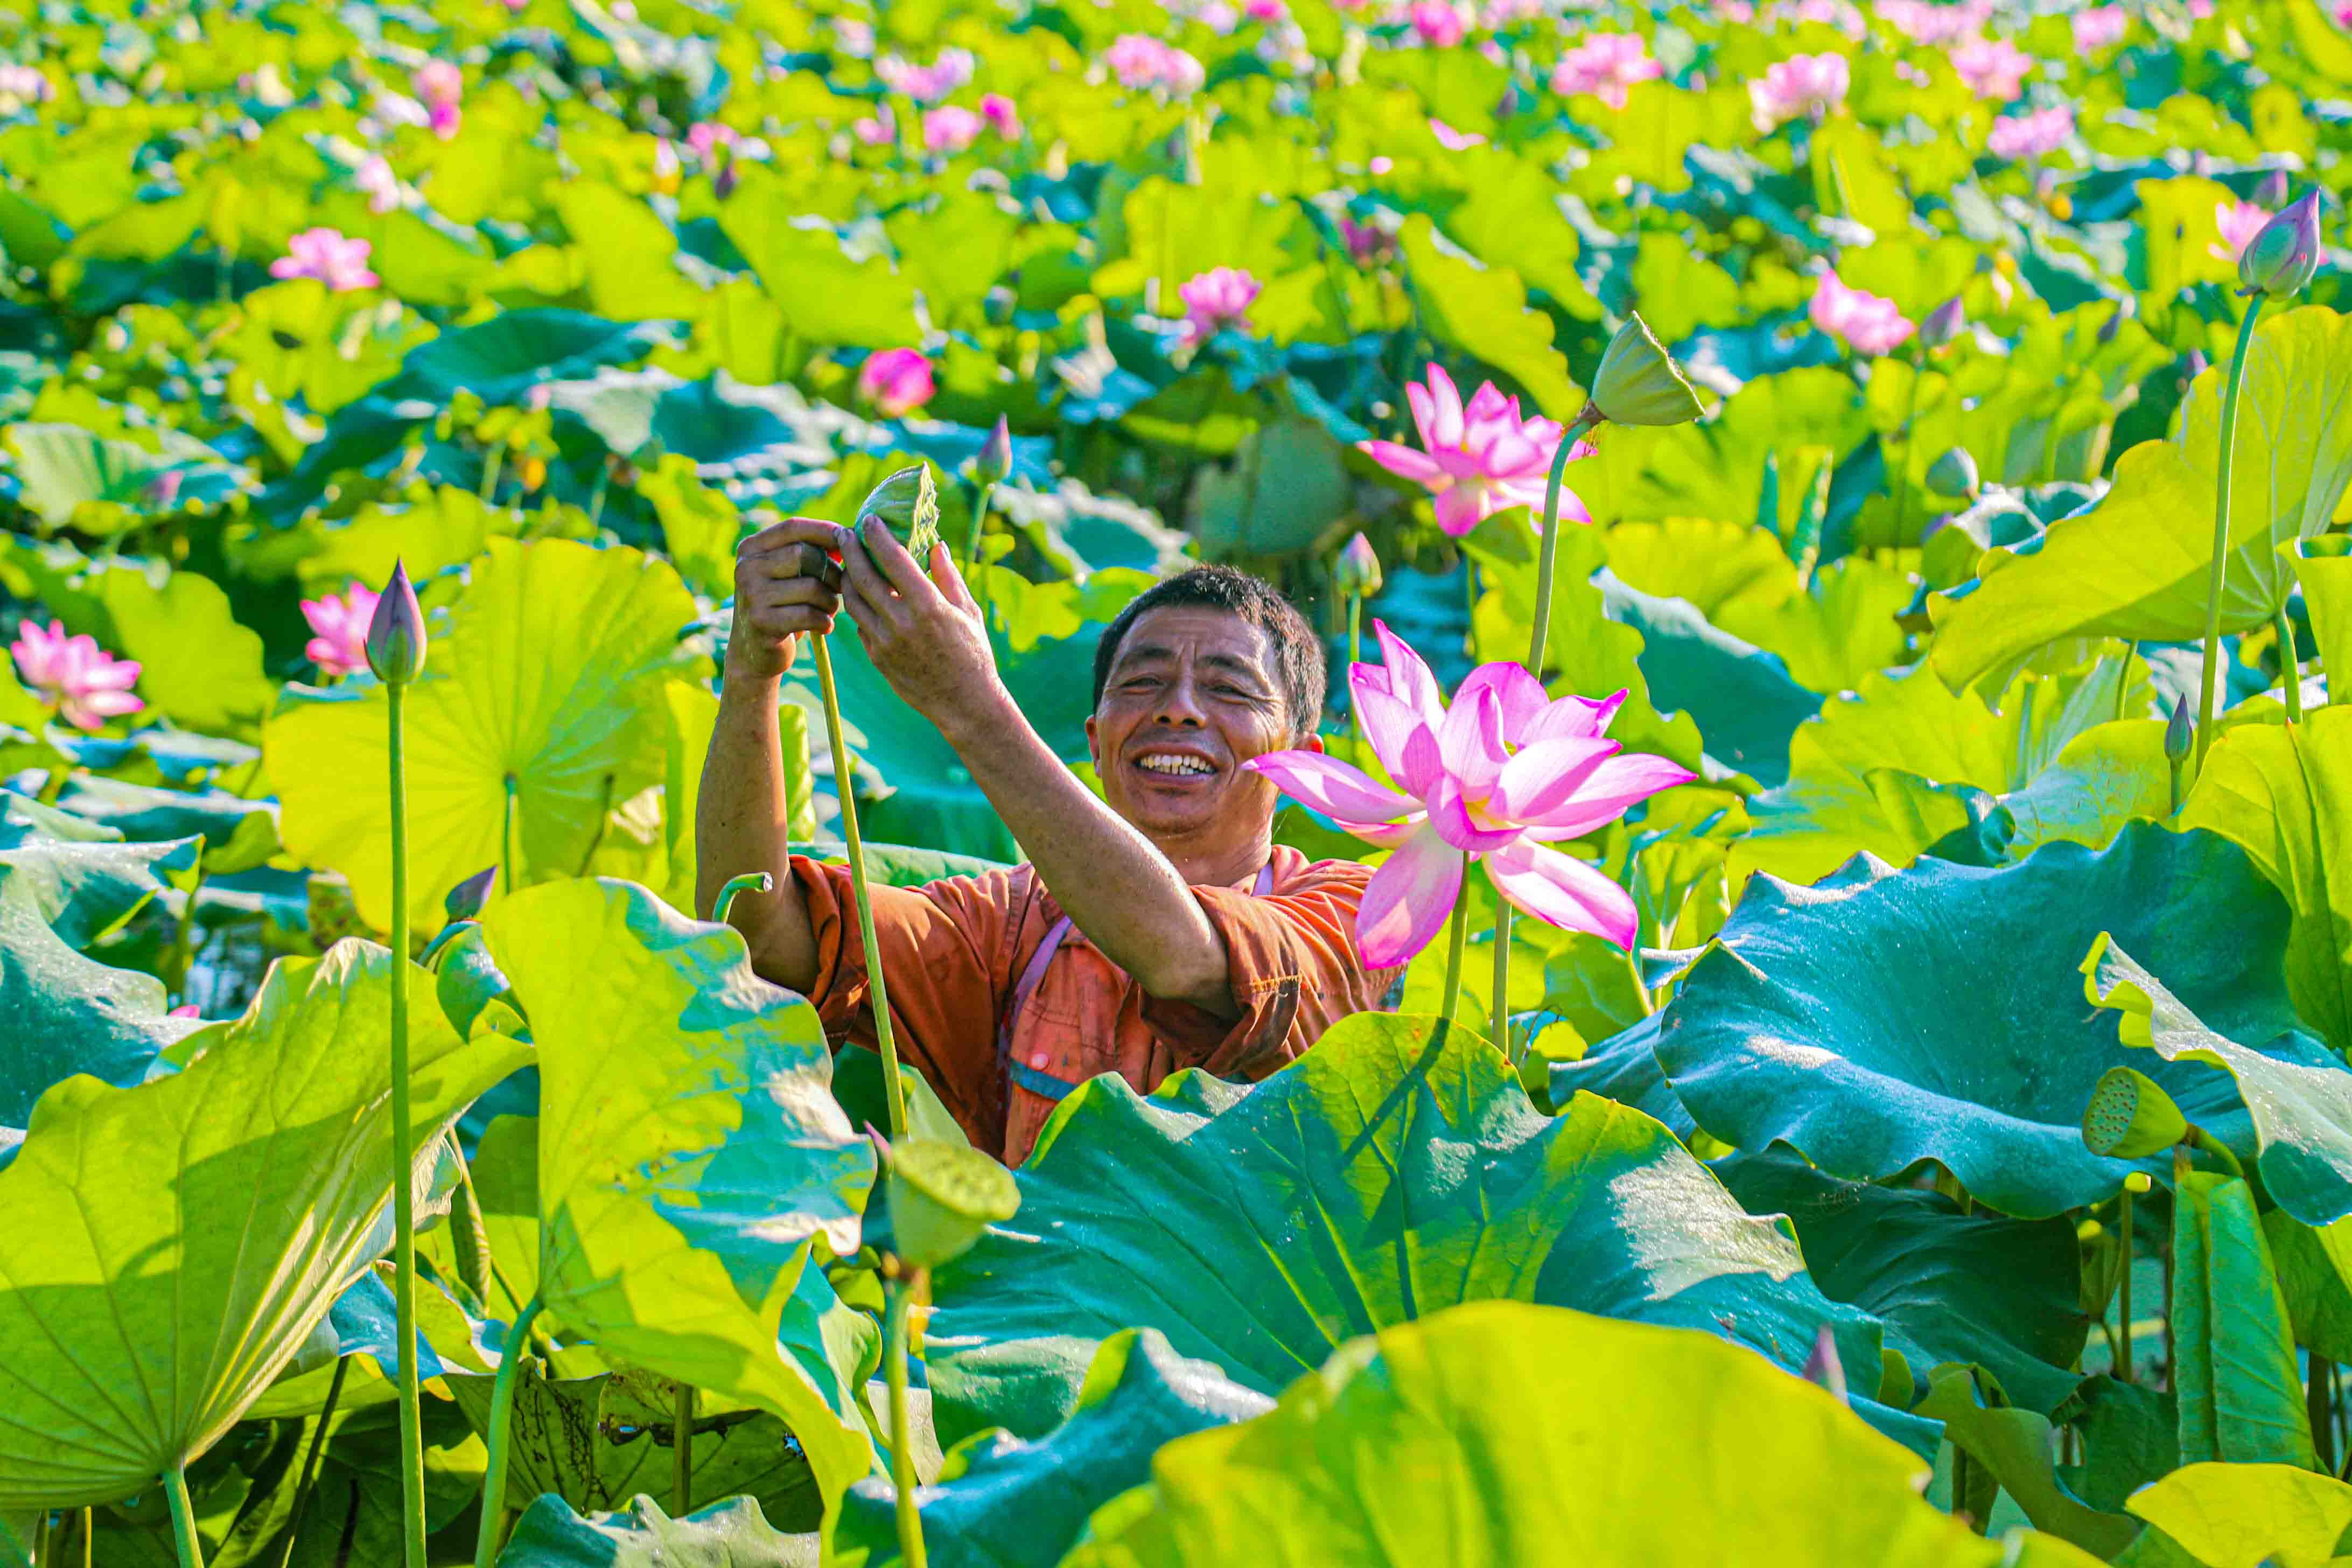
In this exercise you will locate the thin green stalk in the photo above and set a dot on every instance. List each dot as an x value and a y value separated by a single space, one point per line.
2290 670
1456 934
490 467
403 1157
183 941
972 566
681 1438
2122 1291
183 1518
508 835
748 883
1502 1011
309 1476
902 1443
875 981
88 1536
1355 629
16 1552
2319 1404
41 1536
2212 666
494 1480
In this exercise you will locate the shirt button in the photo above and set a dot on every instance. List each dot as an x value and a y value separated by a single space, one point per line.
1039 1061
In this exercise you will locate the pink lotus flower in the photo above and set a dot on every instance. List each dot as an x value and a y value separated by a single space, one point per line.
381 185
1500 778
927 84
439 81
1219 298
1440 25
1265 10
2100 27
445 120
2344 15
2239 223
1838 14
26 84
324 254
73 675
705 137
339 626
1605 65
1003 115
895 381
1865 323
1366 242
1455 141
1801 85
1479 460
2032 135
879 129
1992 67
1141 61
952 130
1926 22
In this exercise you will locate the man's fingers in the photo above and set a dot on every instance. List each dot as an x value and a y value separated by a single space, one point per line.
789 561
865 592
808 530
791 620
949 582
793 591
890 558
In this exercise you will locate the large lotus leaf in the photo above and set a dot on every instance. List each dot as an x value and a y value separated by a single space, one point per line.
1949 1286
2235 1372
195 1229
1741 697
1483 311
731 1534
998 1499
1393 1170
550 674
690 1153
2283 793
2326 581
1502 1435
2301 1106
2106 776
2015 1446
2249 1515
1625 1068
2135 565
238 834
1885 1018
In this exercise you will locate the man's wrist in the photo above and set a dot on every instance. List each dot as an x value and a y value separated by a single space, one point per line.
983 714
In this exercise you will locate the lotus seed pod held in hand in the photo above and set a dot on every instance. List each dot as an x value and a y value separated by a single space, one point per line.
2283 258
395 638
1639 382
1357 573
907 503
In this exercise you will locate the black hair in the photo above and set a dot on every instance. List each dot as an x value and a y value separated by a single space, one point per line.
1298 665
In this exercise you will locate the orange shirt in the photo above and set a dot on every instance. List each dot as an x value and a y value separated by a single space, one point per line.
954 951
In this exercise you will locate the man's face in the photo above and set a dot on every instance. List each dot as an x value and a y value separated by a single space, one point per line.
1190 696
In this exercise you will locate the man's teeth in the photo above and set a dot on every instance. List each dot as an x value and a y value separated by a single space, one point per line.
1163 763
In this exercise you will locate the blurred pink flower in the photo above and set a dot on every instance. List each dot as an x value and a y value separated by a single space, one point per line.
1001 113
2344 15
1992 67
952 130
2100 27
1839 14
184 1010
73 675
1502 14
338 645
879 129
162 490
2238 222
439 81
1218 298
1440 25
1139 61
1605 64
1455 141
1366 242
1926 22
705 137
25 83
1738 11
1799 85
895 381
1864 321
2032 135
383 186
326 254
445 118
1500 778
1265 10
1479 460
926 84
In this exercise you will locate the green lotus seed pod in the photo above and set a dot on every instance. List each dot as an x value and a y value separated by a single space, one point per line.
2130 1118
1953 475
907 502
1639 382
942 1196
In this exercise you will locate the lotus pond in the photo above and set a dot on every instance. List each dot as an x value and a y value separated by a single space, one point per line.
1928 421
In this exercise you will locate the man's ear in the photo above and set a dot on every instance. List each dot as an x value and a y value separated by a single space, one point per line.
1094 753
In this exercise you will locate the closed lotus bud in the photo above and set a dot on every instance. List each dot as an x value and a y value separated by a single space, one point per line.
1639 382
1943 323
942 1196
395 635
1824 1366
1357 573
2283 257
908 504
2272 192
1953 475
995 460
467 898
2180 732
2130 1118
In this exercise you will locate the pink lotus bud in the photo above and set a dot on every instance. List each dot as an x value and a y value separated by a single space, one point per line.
895 381
162 490
395 638
1943 323
1357 573
2283 258
1823 1367
995 459
467 898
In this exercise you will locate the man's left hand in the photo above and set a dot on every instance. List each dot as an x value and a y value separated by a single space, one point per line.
921 629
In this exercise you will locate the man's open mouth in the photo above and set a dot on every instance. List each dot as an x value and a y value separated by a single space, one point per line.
1175 764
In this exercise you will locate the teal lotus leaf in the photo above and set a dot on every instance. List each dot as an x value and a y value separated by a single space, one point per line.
2235 1372
238 834
1885 1018
731 1534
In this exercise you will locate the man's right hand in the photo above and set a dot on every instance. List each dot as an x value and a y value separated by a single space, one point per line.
787 582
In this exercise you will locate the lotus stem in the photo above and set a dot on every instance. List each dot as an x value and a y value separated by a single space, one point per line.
89 1535
1355 629
490 466
509 855
183 1518
1548 552
2208 683
1502 1010
308 1475
404 1155
875 981
2124 1289
748 883
681 1436
494 1480
1456 932
183 941
2205 1142
2290 668
2319 1405
897 1292
974 572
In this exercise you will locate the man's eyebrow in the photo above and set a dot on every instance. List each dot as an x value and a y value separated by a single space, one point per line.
1138 653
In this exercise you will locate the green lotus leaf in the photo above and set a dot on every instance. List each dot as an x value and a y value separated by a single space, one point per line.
2302 1109
2283 793
2015 1446
2245 1515
238 834
549 673
2236 1374
1885 1018
1519 1408
1393 1170
63 467
1741 697
2314 1276
1483 311
690 1154
2326 581
998 1499
196 1229
1757 457
2136 564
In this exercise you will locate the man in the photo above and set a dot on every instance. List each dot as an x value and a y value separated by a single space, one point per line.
1154 928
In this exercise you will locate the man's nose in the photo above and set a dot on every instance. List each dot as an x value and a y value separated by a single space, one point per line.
1179 704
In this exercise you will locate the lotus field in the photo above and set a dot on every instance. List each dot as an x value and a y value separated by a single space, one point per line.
1828 523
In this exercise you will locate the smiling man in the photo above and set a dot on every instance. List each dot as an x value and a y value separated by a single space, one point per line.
1156 928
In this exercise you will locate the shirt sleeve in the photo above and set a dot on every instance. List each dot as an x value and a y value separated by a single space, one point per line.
1292 964
943 955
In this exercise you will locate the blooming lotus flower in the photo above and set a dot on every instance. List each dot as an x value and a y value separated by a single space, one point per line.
1924 21
927 84
1216 299
895 381
1001 113
950 129
1865 323
1141 61
1454 140
2344 15
381 185
1500 776
1440 26
705 137
85 684
879 129
2100 27
2032 135
1477 461
2239 223
340 625
1801 85
1605 65
439 81
1992 67
326 254
445 120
